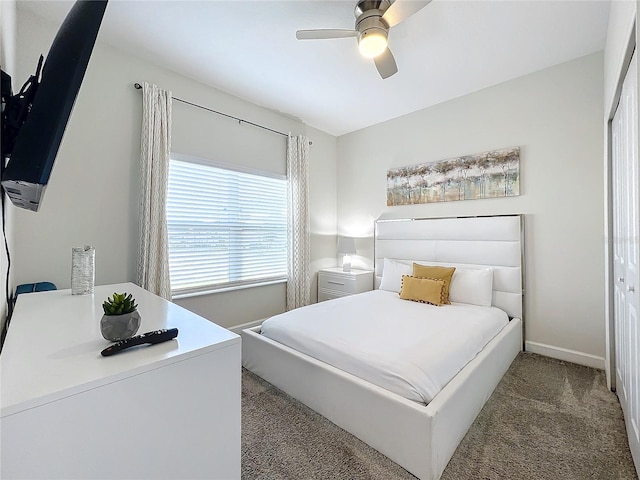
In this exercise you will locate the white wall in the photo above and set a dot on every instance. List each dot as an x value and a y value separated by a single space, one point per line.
622 16
555 117
8 37
322 202
8 61
92 194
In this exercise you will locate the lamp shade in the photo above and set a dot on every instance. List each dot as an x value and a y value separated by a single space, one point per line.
346 245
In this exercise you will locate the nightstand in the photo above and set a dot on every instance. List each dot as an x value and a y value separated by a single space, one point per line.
334 283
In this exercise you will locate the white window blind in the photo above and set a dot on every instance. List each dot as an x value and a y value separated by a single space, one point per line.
226 228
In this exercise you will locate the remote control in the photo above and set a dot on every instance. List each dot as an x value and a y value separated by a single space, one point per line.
156 336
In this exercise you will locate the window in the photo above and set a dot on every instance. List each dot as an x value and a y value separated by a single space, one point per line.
227 228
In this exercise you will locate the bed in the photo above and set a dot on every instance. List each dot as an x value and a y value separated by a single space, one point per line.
421 436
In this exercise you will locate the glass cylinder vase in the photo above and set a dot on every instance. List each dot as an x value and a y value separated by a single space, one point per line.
82 270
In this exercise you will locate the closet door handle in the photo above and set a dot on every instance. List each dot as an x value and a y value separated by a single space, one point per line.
621 279
631 288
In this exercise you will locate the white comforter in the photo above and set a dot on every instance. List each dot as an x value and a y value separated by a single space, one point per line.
410 348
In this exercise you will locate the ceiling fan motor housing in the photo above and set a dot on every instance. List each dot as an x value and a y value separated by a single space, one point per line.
369 18
366 5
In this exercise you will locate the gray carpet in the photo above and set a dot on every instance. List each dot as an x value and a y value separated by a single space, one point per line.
547 419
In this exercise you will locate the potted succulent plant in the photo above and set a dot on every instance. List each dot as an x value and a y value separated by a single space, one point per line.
121 318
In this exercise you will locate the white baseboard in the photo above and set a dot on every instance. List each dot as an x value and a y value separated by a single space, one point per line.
567 355
238 328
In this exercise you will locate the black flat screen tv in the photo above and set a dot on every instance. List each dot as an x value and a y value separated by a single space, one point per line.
36 145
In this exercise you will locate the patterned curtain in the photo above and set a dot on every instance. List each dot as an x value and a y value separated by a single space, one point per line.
298 281
153 261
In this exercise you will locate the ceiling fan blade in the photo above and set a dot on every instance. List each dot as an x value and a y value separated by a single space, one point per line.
402 9
386 64
326 33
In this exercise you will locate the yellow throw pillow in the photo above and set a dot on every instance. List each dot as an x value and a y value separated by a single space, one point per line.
425 290
432 271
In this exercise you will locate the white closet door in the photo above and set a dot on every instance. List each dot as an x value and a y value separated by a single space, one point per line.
626 255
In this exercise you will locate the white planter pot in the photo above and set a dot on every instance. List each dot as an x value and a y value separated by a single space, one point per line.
119 327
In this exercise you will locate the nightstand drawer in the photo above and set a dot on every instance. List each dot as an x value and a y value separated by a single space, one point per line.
334 283
329 294
337 282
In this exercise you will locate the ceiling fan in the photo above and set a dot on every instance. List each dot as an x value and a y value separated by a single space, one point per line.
374 18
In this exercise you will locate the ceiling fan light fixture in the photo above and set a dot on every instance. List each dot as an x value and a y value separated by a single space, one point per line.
374 18
372 43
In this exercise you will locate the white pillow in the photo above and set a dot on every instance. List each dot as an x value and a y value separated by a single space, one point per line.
392 272
472 286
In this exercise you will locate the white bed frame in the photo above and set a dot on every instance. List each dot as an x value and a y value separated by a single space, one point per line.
420 438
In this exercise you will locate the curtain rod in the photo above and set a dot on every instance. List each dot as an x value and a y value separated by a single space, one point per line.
240 120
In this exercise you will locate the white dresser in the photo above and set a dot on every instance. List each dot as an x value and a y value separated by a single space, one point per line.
165 411
334 283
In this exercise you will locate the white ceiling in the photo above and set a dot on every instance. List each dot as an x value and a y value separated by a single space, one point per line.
248 48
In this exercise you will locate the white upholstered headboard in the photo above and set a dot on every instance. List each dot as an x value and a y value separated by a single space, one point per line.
495 241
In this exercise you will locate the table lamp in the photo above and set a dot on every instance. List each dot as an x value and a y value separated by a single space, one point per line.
346 246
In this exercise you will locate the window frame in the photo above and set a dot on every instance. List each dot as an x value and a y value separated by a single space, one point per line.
236 285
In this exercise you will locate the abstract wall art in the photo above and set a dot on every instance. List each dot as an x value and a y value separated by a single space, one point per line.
483 175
